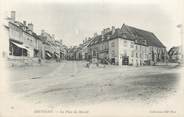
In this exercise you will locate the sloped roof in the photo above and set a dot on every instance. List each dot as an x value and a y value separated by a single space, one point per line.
20 25
152 40
129 33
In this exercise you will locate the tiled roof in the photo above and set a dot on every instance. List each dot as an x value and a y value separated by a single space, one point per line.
129 33
152 40
26 30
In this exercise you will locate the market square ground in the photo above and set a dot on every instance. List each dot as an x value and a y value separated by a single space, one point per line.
70 83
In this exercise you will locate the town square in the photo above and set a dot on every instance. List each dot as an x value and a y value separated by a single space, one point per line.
119 64
59 55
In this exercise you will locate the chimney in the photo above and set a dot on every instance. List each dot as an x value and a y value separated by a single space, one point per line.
108 37
30 26
95 34
24 22
13 13
42 32
61 41
103 32
53 36
113 30
107 30
86 39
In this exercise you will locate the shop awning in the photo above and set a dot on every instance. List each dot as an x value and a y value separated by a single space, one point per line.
57 54
20 46
48 54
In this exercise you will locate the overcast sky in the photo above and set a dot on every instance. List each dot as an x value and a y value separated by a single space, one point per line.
72 22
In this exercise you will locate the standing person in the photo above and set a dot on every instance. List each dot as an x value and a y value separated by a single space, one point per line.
39 61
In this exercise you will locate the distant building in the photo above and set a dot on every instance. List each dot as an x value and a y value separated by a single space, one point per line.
48 50
71 53
52 48
127 46
61 50
82 50
175 54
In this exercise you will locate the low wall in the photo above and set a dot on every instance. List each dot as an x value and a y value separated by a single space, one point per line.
21 61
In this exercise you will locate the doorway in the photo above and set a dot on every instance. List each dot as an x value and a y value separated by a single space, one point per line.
125 60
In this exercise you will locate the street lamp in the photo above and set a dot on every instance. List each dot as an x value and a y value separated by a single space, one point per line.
180 26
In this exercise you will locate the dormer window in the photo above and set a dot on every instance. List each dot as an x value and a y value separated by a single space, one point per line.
145 42
132 45
95 41
112 44
102 37
124 36
136 41
108 37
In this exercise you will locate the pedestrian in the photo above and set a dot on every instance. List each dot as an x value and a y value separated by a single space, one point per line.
39 61
97 64
87 65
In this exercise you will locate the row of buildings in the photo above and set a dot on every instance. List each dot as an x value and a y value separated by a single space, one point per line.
126 45
122 46
23 42
79 52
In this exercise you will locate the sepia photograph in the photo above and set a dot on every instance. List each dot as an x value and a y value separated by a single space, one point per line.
94 58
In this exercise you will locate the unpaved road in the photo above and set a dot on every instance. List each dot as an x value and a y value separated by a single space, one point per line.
70 82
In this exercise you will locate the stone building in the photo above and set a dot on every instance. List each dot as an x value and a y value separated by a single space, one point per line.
127 46
71 53
60 50
23 41
52 48
82 50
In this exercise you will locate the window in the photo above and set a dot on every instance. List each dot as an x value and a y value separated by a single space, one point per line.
137 55
113 53
132 54
102 47
108 37
132 45
145 42
124 36
125 43
94 53
136 47
136 41
140 55
105 46
125 53
112 44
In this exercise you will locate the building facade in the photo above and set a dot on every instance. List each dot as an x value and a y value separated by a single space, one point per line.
127 46
82 50
23 41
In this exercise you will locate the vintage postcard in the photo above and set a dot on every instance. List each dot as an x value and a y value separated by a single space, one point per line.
91 58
